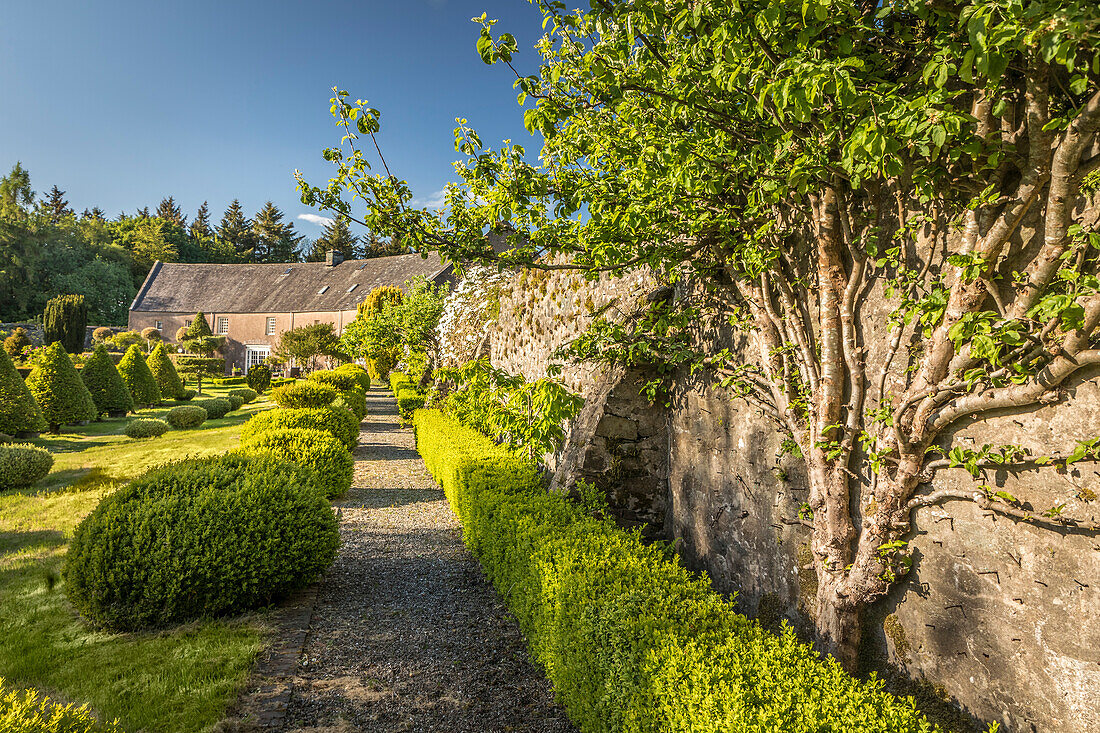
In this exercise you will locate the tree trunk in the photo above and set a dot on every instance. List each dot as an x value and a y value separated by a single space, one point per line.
838 621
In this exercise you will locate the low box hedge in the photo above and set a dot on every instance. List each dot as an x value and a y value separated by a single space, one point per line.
228 381
246 394
318 450
340 423
340 381
185 417
216 407
145 427
631 640
304 394
398 380
408 400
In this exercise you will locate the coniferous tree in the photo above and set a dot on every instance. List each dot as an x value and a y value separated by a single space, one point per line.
199 339
276 240
143 212
59 390
170 211
138 377
336 236
19 412
200 225
373 246
164 371
101 377
236 230
55 206
16 196
64 320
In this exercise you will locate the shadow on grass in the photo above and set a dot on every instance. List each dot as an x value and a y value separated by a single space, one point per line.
11 542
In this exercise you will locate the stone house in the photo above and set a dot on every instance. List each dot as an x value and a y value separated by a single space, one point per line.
253 304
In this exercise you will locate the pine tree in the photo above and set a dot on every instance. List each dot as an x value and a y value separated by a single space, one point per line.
138 377
99 214
200 225
170 212
335 236
65 320
236 230
101 377
19 413
59 390
55 205
164 371
16 196
372 246
276 240
143 212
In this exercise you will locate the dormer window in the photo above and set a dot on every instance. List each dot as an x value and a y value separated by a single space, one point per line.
353 287
323 290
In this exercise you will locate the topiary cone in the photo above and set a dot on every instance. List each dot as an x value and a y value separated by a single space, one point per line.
59 390
138 377
164 371
19 413
101 377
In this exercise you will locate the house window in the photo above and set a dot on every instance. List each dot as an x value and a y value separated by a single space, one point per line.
323 290
158 325
223 324
270 326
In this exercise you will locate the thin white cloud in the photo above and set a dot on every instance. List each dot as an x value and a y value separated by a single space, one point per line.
432 201
321 221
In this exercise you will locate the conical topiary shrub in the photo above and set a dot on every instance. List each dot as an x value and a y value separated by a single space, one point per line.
138 377
59 390
164 371
19 413
101 377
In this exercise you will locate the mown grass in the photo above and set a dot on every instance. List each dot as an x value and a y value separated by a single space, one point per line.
180 679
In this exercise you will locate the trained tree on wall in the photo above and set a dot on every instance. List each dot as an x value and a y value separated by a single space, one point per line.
65 320
109 391
59 391
198 339
785 165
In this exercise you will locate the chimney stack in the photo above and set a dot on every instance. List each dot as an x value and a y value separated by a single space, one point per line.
333 258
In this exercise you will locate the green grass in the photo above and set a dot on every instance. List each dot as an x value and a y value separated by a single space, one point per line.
179 679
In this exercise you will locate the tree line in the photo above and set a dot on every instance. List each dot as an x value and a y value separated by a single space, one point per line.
47 249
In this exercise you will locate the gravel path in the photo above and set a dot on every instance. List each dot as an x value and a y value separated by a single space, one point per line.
407 635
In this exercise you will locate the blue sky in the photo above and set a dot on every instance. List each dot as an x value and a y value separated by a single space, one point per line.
121 103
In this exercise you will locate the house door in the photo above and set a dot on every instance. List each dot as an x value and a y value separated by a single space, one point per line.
254 355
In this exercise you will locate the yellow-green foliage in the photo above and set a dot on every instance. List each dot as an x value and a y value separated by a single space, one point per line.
631 640
361 375
318 450
22 464
353 401
303 394
408 400
378 297
399 380
138 377
339 381
164 371
18 410
26 711
340 423
59 390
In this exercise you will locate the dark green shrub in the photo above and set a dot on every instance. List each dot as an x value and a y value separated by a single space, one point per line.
138 377
316 449
200 538
216 407
64 321
629 638
28 711
101 377
361 375
303 394
200 367
17 342
246 394
408 400
187 395
228 381
259 377
59 390
164 372
353 401
145 427
22 464
235 401
340 423
19 413
186 416
337 380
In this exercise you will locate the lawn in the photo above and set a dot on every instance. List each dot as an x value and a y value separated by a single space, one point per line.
179 679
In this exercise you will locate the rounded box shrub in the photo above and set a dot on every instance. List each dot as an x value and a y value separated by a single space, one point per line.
59 390
247 395
101 377
235 402
316 449
216 407
19 412
353 401
339 423
362 376
138 377
187 395
186 416
340 381
145 427
259 377
304 394
22 464
200 538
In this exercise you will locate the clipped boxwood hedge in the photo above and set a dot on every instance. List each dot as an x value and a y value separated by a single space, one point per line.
187 395
22 464
362 376
59 390
339 423
28 711
259 377
316 449
630 639
353 401
398 380
340 381
164 372
304 394
216 407
235 402
228 381
408 400
200 538
101 377
246 394
138 377
186 416
145 427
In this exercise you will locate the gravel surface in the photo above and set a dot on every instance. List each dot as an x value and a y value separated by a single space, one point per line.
407 634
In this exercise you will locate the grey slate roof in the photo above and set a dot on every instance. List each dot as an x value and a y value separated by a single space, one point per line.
183 287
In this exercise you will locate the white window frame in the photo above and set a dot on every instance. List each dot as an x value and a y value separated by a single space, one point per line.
269 329
223 325
158 325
